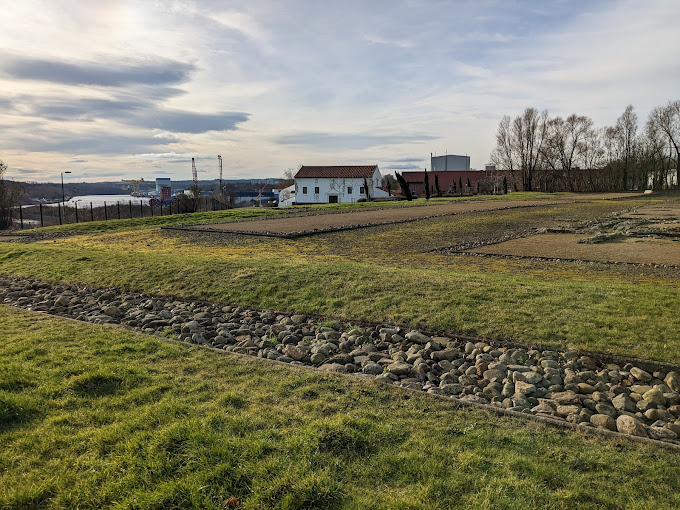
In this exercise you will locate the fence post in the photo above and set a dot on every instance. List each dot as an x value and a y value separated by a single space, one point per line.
91 212
141 208
21 217
106 214
118 204
161 208
130 209
59 207
76 204
151 205
42 224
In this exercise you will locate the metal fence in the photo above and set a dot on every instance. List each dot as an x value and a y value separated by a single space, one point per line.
43 215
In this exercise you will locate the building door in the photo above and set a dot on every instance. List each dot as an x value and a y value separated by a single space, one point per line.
332 199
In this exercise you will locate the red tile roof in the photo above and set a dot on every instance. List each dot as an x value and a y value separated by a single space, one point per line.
336 172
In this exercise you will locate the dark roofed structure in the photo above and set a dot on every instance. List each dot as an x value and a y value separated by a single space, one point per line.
336 172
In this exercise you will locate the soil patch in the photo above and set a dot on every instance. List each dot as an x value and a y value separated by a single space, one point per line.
320 223
567 246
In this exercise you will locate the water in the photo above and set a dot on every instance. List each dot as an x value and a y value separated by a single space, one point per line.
98 200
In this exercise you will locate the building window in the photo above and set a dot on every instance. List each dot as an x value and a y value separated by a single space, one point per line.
304 190
362 190
316 190
349 190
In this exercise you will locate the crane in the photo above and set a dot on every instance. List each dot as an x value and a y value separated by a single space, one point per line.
135 183
259 196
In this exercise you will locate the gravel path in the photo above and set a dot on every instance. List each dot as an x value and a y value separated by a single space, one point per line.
639 399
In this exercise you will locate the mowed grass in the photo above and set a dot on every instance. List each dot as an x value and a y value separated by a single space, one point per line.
94 417
386 274
249 213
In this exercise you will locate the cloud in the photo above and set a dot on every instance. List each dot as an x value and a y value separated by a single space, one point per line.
348 141
111 73
75 143
165 135
138 113
169 156
19 173
402 160
85 108
399 43
404 166
177 121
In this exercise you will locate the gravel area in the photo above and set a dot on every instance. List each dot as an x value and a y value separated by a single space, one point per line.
631 397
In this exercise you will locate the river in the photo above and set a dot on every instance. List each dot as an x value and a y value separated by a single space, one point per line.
98 200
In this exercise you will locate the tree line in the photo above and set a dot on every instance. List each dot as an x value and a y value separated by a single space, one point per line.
543 153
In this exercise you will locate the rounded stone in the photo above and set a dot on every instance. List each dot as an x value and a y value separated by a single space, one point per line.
629 425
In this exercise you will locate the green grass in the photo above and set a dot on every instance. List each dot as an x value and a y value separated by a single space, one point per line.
94 417
257 212
630 318
384 274
171 219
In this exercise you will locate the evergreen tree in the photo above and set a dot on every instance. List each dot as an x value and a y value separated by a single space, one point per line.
404 186
426 185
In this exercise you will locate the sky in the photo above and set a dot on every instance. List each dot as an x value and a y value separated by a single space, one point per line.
112 90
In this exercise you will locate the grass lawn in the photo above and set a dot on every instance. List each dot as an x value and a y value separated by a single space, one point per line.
262 213
387 274
94 417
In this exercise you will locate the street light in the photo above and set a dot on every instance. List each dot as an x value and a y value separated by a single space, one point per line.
219 159
63 198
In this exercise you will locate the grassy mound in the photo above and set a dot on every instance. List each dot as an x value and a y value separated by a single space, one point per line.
100 417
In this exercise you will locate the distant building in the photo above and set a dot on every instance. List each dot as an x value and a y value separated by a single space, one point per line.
337 184
449 163
162 182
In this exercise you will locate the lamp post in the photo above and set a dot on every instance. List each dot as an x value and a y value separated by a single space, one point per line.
219 159
63 198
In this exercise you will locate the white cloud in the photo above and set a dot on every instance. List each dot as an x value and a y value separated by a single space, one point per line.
357 81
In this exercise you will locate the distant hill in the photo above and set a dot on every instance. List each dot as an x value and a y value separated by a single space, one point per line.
52 191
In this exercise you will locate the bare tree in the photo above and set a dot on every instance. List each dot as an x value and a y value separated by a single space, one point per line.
10 193
564 145
389 182
288 178
520 144
503 156
667 120
626 126
592 154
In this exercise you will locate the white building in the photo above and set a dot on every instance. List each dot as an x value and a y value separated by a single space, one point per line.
337 184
